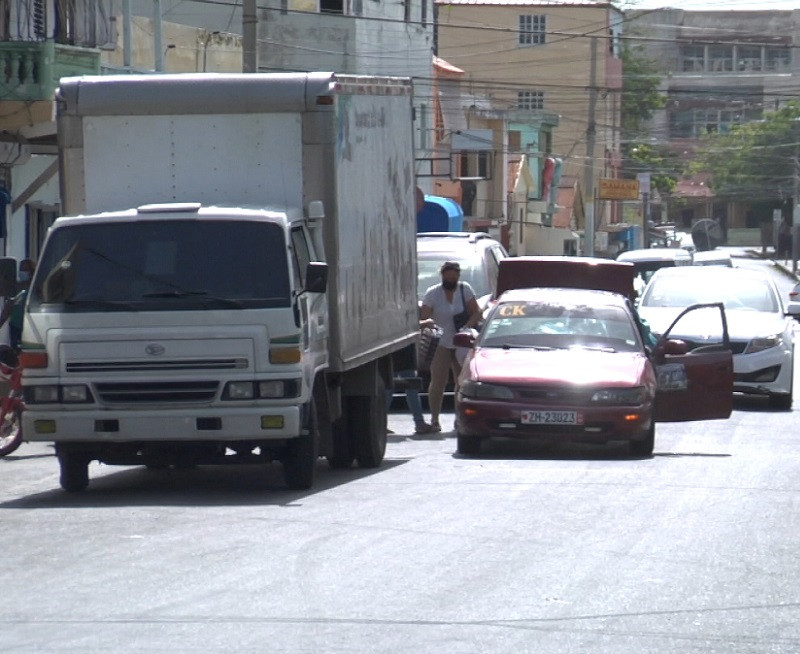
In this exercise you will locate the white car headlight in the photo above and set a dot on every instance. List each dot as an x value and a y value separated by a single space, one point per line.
478 390
761 343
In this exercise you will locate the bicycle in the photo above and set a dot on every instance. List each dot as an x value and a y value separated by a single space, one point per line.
13 404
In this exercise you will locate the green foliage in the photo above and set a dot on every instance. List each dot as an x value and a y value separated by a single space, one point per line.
757 160
640 98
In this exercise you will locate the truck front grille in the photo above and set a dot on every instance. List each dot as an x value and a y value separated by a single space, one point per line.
157 392
158 365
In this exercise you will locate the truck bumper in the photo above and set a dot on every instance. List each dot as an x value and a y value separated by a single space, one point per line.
229 424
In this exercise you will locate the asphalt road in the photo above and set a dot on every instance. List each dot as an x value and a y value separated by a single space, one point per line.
527 548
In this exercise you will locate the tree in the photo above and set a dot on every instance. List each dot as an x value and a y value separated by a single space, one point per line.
756 160
640 99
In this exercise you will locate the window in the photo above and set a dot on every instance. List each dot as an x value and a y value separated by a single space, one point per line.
720 58
777 59
748 58
423 11
530 100
406 10
532 29
472 165
331 6
693 58
423 127
302 257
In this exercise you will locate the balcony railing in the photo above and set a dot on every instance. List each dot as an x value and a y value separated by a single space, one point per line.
31 70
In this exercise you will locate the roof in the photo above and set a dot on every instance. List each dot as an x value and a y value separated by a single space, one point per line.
599 4
445 66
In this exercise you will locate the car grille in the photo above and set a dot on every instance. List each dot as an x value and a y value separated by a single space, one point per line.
558 396
157 392
159 365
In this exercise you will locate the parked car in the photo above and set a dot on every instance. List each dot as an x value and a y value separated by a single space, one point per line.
571 364
647 260
477 253
761 331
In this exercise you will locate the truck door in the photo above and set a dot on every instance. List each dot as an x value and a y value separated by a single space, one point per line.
313 307
696 385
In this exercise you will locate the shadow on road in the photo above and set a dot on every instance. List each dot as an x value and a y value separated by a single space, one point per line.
203 486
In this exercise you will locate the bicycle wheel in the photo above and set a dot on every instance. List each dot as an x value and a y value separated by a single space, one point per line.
10 432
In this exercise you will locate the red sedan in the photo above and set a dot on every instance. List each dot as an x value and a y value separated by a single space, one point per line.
571 364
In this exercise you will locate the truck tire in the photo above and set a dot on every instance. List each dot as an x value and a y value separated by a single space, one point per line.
367 419
342 455
300 459
74 470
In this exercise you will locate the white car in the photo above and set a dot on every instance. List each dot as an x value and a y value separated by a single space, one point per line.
647 260
761 332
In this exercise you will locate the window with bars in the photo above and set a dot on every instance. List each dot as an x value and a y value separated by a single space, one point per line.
693 58
530 100
532 29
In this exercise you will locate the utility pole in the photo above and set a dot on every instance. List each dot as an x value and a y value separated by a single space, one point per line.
249 36
795 206
158 45
591 133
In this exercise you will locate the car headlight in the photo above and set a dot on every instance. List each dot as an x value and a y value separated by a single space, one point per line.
625 396
762 343
479 390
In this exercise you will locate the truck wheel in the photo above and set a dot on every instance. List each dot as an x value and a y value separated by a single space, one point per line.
74 471
644 448
342 455
301 454
368 425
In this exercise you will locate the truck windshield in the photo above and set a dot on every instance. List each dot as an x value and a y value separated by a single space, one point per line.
162 265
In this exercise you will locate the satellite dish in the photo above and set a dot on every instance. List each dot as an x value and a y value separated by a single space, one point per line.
707 234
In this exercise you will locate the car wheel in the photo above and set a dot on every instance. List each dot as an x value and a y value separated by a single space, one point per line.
468 445
781 401
644 447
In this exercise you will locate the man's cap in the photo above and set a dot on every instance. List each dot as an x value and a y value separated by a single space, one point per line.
450 265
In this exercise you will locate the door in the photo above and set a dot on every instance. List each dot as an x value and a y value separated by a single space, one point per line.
696 385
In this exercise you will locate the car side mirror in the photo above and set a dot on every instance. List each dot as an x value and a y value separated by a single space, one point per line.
8 276
793 310
316 277
465 339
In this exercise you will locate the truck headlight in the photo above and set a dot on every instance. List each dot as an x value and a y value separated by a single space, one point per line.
54 394
761 343
269 389
626 396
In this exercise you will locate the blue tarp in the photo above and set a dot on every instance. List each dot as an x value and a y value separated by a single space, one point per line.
440 214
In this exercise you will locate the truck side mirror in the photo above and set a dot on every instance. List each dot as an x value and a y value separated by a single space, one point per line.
316 277
8 276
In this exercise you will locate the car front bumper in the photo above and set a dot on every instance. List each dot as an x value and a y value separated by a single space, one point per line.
764 373
487 418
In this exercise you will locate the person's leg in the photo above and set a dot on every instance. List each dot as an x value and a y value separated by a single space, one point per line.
412 398
440 371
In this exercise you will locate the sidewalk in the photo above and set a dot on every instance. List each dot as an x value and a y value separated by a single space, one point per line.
784 266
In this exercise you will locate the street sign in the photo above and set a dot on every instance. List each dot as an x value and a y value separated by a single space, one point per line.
618 189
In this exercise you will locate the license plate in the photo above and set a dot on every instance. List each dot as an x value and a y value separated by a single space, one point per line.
552 418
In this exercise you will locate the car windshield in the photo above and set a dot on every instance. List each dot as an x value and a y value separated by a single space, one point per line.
472 272
737 293
551 325
161 266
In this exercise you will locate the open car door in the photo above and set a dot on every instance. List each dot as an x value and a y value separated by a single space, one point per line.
696 385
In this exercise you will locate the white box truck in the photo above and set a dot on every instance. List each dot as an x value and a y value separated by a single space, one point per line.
235 269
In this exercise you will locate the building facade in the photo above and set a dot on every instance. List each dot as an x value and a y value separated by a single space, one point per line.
561 58
719 69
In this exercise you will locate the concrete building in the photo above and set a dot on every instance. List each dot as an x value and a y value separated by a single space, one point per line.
719 69
39 47
360 37
562 58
